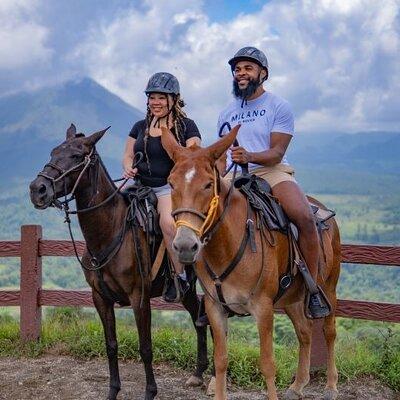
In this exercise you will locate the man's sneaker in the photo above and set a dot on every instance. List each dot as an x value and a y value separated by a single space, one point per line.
317 306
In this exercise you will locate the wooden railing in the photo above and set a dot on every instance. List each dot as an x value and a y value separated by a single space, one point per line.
31 297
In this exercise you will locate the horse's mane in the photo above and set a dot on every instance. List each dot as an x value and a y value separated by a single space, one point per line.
110 180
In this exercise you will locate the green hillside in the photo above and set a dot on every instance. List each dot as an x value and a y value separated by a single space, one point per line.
356 175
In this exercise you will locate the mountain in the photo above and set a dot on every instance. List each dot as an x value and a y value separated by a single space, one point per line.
375 152
32 123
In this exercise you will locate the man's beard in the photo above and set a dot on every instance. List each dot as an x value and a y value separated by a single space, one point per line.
248 91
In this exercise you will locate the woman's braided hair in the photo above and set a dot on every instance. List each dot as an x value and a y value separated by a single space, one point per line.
176 115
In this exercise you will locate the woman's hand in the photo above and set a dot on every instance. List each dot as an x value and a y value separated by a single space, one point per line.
129 172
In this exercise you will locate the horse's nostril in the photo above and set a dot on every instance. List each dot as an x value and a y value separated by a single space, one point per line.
42 189
175 247
195 247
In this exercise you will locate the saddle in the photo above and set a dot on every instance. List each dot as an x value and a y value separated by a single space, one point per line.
141 215
267 207
142 202
270 214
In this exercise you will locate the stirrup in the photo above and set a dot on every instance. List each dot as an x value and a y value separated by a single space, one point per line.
170 284
323 302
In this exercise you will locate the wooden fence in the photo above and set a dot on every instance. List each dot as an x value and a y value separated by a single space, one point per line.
31 297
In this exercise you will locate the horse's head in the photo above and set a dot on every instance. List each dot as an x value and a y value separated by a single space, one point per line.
195 191
68 160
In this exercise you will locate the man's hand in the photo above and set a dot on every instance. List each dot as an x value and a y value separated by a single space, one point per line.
240 155
129 172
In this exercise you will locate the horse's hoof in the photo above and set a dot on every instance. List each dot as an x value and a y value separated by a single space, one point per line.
194 381
330 394
211 387
112 394
292 395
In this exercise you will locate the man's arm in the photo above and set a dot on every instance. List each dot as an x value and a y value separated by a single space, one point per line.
278 145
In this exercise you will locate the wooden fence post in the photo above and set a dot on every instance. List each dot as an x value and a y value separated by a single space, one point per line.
31 282
319 350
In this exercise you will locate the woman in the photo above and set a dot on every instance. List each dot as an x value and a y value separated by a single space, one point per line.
164 109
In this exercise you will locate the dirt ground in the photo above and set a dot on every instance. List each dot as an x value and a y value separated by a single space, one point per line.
66 378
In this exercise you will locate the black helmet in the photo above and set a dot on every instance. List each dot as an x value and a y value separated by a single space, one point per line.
162 82
249 53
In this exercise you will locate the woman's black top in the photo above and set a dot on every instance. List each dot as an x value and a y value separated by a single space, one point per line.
156 172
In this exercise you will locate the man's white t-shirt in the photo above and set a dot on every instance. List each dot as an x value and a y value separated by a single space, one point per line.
258 118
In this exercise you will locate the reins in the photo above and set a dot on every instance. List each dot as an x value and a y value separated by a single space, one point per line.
91 159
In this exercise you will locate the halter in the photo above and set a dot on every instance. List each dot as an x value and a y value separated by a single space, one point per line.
90 159
208 219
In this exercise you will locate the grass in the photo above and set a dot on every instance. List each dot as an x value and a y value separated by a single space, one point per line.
78 333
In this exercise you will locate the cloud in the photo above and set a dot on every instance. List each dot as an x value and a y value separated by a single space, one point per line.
22 38
336 62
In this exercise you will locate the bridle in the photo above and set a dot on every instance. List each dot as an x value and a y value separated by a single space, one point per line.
91 160
210 222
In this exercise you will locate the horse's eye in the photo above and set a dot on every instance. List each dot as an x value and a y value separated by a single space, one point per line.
208 186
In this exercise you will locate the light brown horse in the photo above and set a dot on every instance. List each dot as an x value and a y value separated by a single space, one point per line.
199 204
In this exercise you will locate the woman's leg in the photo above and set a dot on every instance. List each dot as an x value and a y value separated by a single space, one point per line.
167 225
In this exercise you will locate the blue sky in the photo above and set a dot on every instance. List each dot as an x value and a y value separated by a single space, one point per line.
337 62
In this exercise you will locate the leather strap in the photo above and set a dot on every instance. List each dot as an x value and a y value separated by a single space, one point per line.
158 260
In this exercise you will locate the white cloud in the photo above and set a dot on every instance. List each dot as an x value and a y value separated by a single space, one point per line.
22 38
336 62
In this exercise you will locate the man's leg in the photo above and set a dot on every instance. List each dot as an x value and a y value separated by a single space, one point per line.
297 208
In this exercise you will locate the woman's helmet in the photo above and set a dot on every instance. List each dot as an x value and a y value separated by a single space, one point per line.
251 54
163 82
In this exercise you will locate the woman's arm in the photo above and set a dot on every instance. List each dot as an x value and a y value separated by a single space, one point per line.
193 140
128 158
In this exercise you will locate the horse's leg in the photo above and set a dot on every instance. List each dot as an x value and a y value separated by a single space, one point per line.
107 316
211 384
331 391
264 315
192 304
303 328
219 325
143 322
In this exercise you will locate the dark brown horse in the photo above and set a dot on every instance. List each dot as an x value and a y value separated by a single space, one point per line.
199 203
76 167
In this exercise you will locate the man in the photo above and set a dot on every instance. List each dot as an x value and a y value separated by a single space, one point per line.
267 126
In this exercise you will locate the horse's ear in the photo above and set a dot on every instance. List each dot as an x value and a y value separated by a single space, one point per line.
169 143
218 148
95 137
71 132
